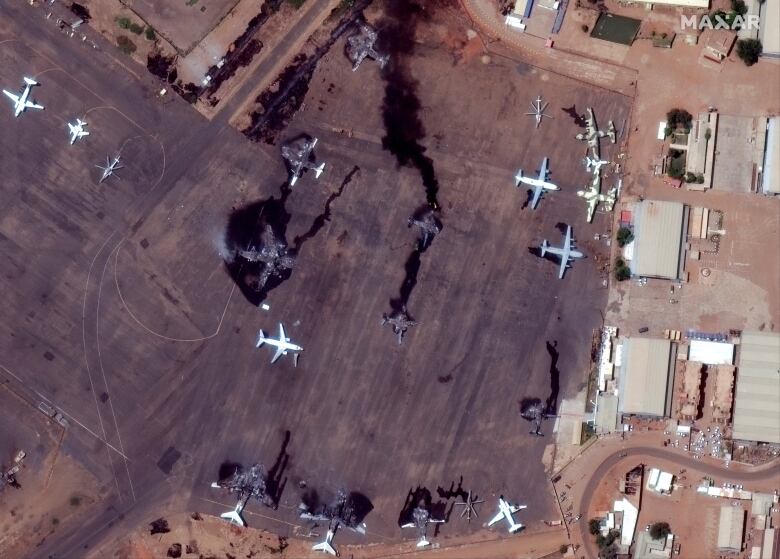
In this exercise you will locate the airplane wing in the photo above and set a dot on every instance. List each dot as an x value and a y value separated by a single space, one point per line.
537 195
31 105
277 355
282 337
14 98
591 208
515 508
567 242
543 170
496 518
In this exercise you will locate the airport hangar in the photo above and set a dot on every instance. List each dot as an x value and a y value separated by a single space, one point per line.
757 399
659 233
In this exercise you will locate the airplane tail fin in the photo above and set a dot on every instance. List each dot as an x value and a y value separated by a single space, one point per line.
544 247
515 527
318 170
260 338
30 81
234 517
326 547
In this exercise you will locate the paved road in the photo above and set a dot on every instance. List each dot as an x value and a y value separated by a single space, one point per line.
733 475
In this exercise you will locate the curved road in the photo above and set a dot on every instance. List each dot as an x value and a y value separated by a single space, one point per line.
759 474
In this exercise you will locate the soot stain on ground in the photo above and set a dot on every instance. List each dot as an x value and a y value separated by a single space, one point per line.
257 255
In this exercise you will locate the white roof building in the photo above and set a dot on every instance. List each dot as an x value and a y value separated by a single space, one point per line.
711 353
630 517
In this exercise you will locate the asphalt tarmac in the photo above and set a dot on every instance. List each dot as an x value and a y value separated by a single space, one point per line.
153 344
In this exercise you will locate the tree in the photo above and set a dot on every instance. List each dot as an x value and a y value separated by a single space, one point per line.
624 236
594 526
622 272
150 34
660 530
700 179
690 177
679 118
563 549
707 134
739 7
123 22
749 50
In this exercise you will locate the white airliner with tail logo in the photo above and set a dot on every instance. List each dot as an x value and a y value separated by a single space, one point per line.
77 130
22 101
567 253
505 511
282 345
539 184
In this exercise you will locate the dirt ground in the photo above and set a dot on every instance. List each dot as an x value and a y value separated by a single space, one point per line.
55 491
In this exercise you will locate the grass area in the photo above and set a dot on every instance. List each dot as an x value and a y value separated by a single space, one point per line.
125 23
296 3
125 44
676 169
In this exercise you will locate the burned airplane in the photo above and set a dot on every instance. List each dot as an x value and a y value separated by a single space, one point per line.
361 45
400 321
348 509
299 157
245 484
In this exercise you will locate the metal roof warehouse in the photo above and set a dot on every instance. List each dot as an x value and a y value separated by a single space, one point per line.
659 228
757 399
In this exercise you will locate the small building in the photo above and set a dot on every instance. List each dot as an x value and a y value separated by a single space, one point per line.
718 44
711 353
649 548
659 481
731 526
644 387
757 397
606 413
628 525
659 232
769 31
770 177
701 149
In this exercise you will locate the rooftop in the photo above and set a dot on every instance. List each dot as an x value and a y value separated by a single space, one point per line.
644 376
757 399
658 239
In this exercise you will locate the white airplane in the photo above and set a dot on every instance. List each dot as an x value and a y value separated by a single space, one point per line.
327 545
541 183
537 108
112 164
593 196
22 101
505 511
282 345
234 516
77 130
594 163
566 253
